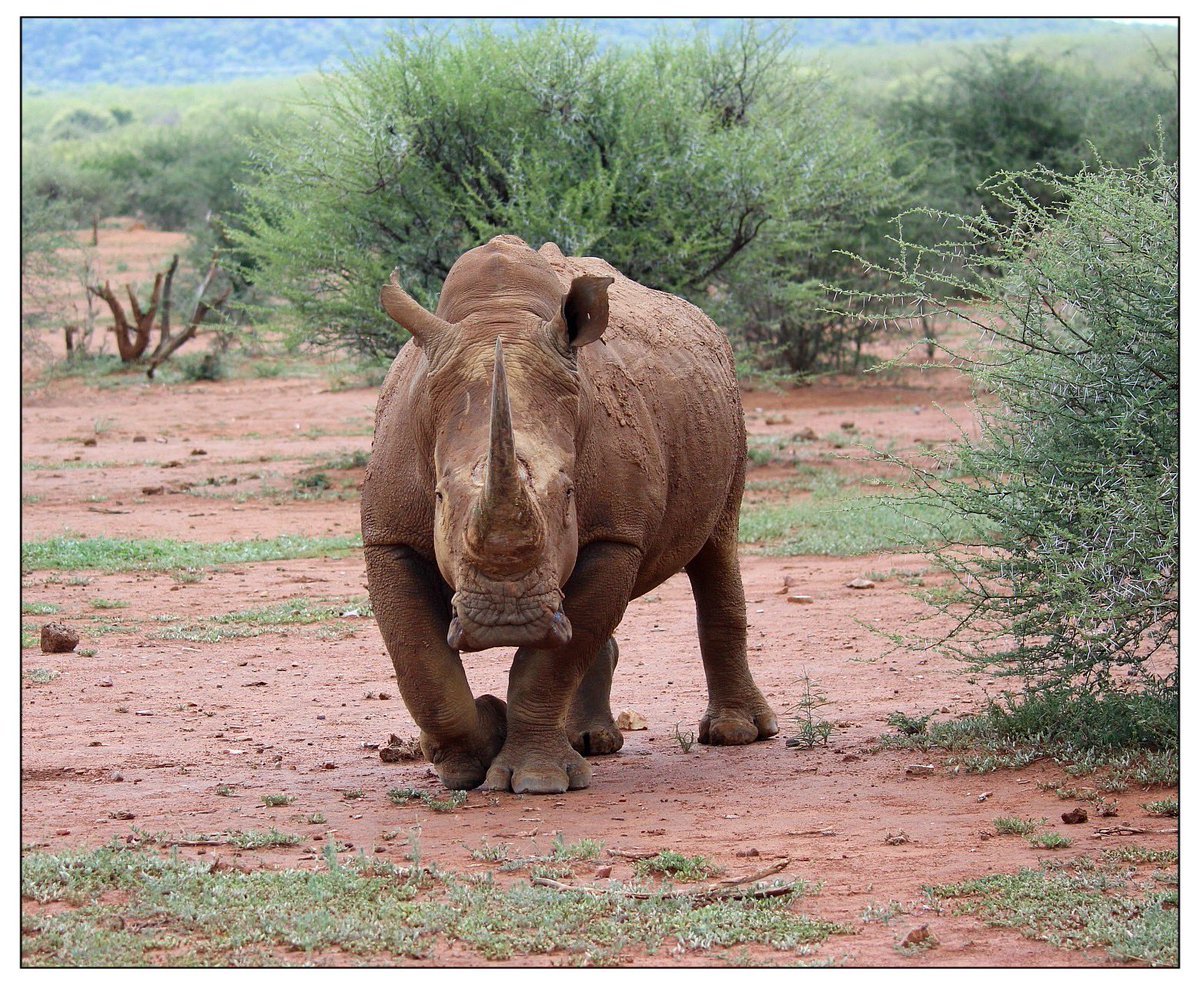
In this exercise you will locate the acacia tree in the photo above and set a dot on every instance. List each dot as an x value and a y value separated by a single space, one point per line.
687 167
1073 481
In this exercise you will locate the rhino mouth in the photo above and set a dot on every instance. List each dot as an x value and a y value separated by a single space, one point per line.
485 620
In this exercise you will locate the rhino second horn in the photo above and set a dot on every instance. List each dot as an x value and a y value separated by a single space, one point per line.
423 326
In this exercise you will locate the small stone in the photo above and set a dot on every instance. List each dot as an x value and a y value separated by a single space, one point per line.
57 638
197 451
747 853
604 871
631 721
919 936
89 442
860 583
153 490
919 769
139 439
800 599
848 425
104 682
1077 816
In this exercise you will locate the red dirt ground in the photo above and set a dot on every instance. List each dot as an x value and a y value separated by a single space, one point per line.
143 732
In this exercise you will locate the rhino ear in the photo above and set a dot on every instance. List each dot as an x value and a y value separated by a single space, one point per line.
585 309
426 328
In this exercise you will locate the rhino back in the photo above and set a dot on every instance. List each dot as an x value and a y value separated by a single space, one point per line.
666 447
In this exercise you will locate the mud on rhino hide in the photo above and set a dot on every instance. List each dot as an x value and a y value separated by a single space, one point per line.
554 441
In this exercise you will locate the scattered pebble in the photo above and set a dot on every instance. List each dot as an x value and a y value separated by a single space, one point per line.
1077 816
631 721
801 599
919 936
57 638
860 583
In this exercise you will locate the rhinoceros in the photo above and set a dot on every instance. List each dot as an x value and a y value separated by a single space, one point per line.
553 442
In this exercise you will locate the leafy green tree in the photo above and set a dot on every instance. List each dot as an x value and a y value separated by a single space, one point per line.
684 166
1073 480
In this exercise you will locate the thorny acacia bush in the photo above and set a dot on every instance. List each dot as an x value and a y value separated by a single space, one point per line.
723 165
1073 480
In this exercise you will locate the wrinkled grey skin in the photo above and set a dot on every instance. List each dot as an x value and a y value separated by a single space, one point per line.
555 441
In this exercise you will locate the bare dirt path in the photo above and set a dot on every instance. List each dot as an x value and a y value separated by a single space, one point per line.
157 725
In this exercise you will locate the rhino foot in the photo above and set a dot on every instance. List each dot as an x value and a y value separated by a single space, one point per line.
731 727
463 766
546 767
598 738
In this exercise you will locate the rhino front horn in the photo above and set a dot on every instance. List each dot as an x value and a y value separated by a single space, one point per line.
504 534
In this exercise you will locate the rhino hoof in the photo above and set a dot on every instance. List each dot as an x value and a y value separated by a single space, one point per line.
533 776
599 740
737 730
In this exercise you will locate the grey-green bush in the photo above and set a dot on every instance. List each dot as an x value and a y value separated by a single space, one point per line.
725 165
1073 479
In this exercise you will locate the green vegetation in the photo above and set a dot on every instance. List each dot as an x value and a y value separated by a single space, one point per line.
742 159
676 866
403 795
848 523
1163 808
115 554
1072 582
268 619
277 799
172 911
811 729
1016 825
1077 909
1048 839
39 675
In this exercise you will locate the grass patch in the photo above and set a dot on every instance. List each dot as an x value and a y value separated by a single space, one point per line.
676 866
108 604
1049 839
403 795
39 608
39 675
849 523
1163 808
115 554
1133 737
1016 825
254 622
1077 909
133 907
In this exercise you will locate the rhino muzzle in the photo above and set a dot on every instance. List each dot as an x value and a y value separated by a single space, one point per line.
485 620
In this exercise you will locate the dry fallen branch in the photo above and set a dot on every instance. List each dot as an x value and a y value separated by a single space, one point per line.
727 889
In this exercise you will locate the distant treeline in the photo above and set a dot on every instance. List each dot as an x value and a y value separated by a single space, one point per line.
72 52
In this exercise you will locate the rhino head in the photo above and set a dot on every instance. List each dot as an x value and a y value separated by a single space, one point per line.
505 418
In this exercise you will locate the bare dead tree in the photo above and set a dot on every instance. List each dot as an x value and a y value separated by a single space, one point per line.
131 340
200 309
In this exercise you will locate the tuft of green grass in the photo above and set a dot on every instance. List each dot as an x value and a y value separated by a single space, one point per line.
254 622
909 724
676 866
40 675
849 523
1163 808
108 604
1016 825
404 795
1076 909
277 799
116 554
1049 839
39 608
811 729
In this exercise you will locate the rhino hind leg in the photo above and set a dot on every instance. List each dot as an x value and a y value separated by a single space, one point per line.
590 726
737 712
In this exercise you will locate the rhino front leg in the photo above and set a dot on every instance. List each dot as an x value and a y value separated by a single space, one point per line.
460 734
590 725
737 713
538 756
